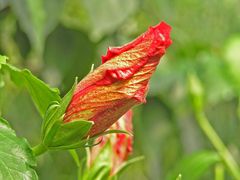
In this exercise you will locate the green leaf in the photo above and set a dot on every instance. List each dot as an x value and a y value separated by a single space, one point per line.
194 166
102 172
37 18
90 142
16 158
41 94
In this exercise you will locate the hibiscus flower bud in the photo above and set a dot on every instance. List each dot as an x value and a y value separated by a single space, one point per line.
118 146
122 143
121 82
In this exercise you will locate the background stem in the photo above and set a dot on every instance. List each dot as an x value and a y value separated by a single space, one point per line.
219 171
196 91
218 144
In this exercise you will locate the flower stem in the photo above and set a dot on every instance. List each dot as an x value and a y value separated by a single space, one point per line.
75 157
218 144
39 149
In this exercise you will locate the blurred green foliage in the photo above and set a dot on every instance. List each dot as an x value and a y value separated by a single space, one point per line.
59 40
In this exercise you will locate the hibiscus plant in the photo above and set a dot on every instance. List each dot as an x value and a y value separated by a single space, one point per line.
95 114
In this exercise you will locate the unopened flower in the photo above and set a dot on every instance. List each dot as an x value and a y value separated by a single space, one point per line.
122 143
117 145
121 82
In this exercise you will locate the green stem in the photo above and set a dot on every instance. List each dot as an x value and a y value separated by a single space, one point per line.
75 157
39 149
218 144
219 171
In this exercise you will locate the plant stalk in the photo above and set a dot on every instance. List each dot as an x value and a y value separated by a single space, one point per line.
218 144
39 149
219 171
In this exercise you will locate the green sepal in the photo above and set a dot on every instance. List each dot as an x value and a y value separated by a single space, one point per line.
70 133
101 167
80 144
59 135
88 141
102 172
119 131
50 134
91 141
49 116
55 113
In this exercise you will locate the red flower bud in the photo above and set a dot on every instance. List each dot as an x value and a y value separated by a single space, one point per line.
121 82
120 144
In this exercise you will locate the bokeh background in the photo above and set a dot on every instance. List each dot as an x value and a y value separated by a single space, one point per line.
60 39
